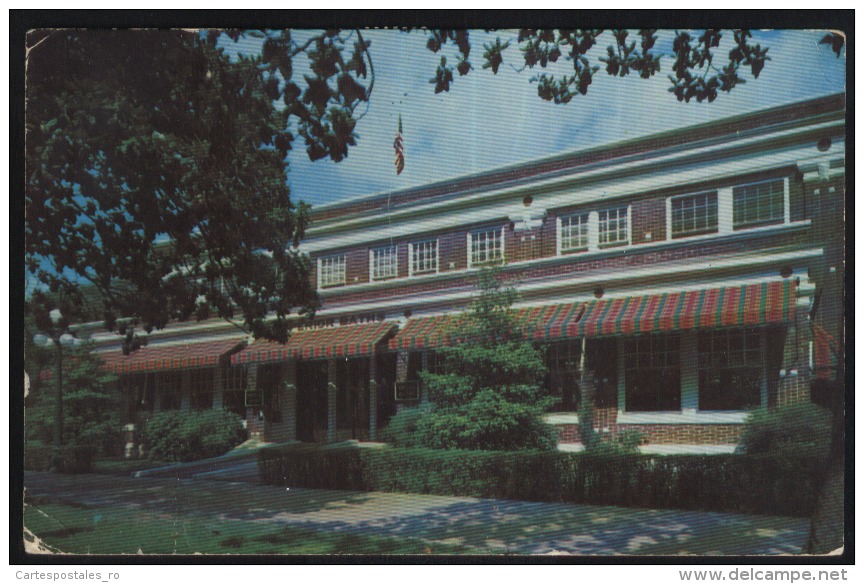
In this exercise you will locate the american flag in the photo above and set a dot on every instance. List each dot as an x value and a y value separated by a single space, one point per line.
400 152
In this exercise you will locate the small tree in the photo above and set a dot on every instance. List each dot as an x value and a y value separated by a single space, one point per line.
486 392
91 409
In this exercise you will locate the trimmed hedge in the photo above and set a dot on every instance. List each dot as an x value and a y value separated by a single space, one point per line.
762 484
76 459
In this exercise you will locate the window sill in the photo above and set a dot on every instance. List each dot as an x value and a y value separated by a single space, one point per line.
561 418
683 417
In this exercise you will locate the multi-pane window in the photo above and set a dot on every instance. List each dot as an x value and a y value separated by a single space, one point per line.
652 373
424 257
383 262
613 226
562 362
574 232
694 214
235 380
486 247
730 369
758 204
332 270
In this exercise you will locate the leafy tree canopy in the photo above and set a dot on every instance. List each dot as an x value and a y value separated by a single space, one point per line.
156 170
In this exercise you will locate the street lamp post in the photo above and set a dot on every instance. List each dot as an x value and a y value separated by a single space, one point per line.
59 338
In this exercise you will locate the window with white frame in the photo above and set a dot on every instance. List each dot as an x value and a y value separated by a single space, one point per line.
730 369
424 257
694 214
614 226
235 381
574 232
562 364
486 247
383 262
758 204
331 271
652 373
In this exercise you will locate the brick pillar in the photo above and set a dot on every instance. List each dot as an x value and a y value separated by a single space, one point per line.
373 399
401 373
331 400
794 384
253 424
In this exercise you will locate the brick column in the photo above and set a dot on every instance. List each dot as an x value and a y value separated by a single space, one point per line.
401 373
794 384
253 424
331 400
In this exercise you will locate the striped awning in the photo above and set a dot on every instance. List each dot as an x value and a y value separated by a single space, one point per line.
339 341
746 305
174 356
547 323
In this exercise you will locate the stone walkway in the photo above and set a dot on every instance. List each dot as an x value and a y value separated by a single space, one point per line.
489 526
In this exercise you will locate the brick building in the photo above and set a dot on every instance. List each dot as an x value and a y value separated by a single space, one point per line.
696 265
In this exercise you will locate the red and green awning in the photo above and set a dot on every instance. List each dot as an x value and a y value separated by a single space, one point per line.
747 305
339 341
174 356
547 323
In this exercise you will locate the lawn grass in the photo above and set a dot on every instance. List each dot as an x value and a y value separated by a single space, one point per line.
77 529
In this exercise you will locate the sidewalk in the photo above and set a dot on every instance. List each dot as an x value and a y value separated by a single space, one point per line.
490 526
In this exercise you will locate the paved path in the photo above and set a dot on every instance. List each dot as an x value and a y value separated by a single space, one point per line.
490 526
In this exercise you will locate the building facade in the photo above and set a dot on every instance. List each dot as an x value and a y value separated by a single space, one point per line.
692 267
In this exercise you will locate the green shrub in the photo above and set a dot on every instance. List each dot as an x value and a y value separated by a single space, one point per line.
787 429
192 435
764 484
75 459
402 428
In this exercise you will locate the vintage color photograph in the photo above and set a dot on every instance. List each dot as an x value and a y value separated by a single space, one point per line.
448 292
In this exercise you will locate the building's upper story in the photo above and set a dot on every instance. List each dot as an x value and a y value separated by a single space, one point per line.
753 197
733 191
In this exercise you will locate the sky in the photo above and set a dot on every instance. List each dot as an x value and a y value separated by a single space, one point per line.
488 121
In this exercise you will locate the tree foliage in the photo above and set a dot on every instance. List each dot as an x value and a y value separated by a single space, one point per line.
92 412
486 392
695 74
156 169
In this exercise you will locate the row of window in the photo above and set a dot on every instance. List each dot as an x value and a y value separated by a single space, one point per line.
143 389
719 211
730 371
